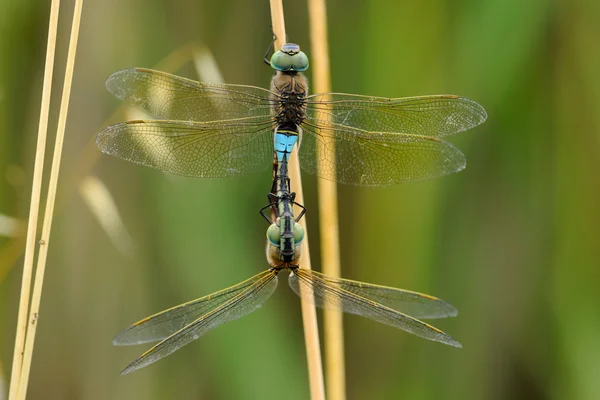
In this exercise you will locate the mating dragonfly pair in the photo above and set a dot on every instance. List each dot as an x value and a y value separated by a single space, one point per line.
219 130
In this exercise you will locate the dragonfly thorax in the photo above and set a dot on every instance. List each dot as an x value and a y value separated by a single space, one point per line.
289 99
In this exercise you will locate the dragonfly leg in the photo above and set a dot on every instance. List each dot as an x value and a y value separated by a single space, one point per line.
272 197
266 58
262 212
303 210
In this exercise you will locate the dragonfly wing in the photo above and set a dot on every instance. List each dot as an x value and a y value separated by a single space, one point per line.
353 156
436 116
196 149
256 291
334 294
163 324
169 96
415 304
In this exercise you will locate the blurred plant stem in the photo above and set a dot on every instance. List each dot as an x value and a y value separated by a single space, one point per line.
309 314
328 211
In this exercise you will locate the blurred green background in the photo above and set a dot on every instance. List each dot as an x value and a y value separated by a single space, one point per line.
513 241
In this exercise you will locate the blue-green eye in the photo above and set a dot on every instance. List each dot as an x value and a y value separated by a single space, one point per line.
281 61
300 62
298 233
273 235
289 58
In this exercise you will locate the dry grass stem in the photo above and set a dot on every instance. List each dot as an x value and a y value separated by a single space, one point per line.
309 314
54 173
34 206
328 212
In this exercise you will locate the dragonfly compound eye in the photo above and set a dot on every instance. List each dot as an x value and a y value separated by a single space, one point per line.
300 62
274 235
282 61
298 233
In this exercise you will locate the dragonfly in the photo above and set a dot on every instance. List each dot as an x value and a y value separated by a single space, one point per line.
223 130
182 324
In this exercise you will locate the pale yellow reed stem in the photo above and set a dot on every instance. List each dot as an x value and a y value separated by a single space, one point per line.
34 206
45 238
328 212
309 314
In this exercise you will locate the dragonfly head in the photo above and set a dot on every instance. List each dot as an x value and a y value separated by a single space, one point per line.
289 58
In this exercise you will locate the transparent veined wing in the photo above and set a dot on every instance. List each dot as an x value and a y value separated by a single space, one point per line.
169 96
435 116
196 149
161 325
417 305
346 296
214 310
353 156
